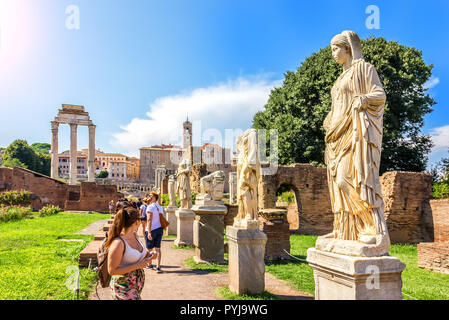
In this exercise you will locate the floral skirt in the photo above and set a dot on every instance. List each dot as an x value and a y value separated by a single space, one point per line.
128 286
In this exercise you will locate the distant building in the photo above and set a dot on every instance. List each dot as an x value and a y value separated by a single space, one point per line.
118 166
158 156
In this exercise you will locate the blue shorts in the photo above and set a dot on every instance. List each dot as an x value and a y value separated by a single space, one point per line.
156 234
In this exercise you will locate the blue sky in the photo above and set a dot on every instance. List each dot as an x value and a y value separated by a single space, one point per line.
139 67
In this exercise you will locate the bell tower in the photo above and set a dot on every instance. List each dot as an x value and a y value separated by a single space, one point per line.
187 134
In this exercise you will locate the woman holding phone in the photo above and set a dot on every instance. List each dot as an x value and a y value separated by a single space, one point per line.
127 256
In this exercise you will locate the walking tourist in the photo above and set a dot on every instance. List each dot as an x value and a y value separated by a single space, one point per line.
127 256
154 229
111 206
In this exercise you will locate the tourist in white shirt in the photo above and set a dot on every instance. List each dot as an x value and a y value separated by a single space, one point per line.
155 231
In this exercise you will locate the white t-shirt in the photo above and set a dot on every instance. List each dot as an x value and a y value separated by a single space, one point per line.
155 209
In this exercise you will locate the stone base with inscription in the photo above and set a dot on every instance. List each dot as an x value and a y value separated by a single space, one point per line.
246 260
342 277
208 226
184 231
171 218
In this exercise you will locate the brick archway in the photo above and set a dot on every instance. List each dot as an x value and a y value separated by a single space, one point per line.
309 184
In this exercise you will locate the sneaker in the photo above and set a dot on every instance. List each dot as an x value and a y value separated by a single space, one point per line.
158 270
149 267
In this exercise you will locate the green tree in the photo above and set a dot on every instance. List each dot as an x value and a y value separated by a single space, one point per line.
41 147
103 174
20 151
298 108
20 154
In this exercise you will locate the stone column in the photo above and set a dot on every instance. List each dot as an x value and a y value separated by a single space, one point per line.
73 154
233 187
91 155
54 150
171 218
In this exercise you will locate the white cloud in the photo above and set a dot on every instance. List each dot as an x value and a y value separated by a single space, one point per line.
440 138
211 110
431 83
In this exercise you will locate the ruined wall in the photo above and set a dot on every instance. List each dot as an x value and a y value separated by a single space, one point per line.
406 197
198 171
309 184
440 212
45 190
93 198
230 214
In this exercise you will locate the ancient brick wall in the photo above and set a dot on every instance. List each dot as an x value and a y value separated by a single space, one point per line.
231 214
440 212
309 184
93 198
278 238
45 190
434 256
406 197
197 172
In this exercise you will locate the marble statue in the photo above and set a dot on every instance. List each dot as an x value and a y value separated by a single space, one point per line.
248 173
183 188
213 185
353 148
171 190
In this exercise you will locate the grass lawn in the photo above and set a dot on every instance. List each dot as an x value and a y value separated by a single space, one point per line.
226 294
418 283
33 263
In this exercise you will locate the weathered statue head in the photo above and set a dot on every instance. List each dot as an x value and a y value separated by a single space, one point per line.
346 47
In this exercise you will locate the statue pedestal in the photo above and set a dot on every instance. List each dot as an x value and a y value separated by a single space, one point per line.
342 277
208 228
171 218
184 232
246 260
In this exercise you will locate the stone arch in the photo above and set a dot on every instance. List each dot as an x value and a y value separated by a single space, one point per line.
309 184
294 208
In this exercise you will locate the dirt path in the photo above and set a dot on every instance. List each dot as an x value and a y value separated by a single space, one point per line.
177 282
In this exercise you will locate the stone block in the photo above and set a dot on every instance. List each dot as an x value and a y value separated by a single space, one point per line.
89 253
208 236
171 218
184 232
246 260
100 235
434 256
340 277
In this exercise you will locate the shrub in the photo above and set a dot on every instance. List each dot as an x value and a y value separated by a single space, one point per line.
166 200
15 198
441 190
13 213
49 210
288 197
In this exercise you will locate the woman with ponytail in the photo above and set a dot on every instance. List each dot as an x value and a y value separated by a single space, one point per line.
126 256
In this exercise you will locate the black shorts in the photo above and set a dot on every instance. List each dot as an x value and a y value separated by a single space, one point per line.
156 234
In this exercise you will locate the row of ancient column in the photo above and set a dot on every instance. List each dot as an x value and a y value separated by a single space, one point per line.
73 152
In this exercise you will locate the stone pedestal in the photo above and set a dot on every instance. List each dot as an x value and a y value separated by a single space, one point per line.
171 218
273 222
208 229
246 260
341 277
184 231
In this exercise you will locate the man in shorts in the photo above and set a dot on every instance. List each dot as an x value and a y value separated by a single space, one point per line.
154 229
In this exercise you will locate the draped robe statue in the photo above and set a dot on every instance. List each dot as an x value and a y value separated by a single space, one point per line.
248 173
184 192
353 147
171 191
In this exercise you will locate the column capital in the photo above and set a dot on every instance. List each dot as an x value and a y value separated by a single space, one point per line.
54 125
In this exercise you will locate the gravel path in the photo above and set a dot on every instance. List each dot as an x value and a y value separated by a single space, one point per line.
177 282
94 227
